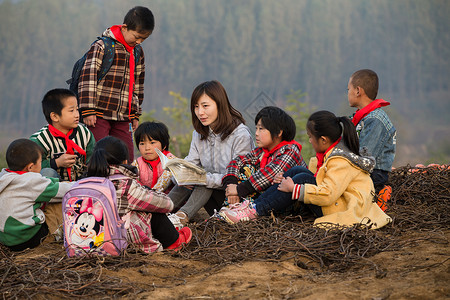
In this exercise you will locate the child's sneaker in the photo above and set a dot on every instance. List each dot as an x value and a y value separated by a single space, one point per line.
384 196
183 239
179 219
245 211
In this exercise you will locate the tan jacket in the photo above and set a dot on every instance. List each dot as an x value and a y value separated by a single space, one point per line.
345 190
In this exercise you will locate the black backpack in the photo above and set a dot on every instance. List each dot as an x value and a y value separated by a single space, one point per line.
108 58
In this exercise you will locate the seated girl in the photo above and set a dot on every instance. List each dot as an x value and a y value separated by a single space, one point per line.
150 228
250 175
148 136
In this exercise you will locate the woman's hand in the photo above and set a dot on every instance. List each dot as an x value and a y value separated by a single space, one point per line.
286 185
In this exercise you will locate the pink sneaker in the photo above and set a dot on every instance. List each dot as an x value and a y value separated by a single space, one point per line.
242 212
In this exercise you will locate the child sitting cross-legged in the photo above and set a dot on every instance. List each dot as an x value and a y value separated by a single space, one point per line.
249 176
150 228
23 193
150 136
339 192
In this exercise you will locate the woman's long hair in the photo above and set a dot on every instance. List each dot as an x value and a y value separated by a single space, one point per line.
228 118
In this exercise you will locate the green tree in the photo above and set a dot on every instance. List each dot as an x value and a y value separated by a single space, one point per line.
180 124
300 112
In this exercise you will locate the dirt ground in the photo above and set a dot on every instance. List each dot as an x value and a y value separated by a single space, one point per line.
415 266
419 270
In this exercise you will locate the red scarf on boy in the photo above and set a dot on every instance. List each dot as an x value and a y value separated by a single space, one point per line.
361 113
70 145
321 156
267 157
17 172
154 165
117 32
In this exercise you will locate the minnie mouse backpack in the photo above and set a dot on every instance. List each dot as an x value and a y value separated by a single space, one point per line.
90 219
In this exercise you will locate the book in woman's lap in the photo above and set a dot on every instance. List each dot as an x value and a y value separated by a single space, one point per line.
184 172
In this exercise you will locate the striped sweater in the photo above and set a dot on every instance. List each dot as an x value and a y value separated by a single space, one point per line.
55 147
21 199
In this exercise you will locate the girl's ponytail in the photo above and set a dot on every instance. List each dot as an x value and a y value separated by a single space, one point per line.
108 151
349 135
325 123
98 165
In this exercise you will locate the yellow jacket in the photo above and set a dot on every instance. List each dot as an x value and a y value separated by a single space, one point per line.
344 190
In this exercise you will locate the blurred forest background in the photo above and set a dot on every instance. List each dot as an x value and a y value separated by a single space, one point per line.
297 54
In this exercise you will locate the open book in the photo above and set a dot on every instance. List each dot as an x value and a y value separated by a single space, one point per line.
184 172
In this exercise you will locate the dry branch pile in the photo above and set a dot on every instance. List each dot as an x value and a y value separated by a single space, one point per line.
420 202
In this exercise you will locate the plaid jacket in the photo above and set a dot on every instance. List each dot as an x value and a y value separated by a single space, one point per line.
282 160
139 202
108 99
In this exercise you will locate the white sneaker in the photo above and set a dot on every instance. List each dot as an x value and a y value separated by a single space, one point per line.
178 219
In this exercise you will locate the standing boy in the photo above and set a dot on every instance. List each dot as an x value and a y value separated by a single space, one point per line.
67 144
112 106
376 132
23 193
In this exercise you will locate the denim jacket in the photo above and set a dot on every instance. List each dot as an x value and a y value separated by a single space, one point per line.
378 135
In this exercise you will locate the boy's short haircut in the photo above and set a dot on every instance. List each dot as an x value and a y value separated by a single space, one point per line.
140 19
368 80
275 119
53 102
21 152
153 131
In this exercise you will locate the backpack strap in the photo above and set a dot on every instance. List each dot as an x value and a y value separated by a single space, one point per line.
108 56
137 54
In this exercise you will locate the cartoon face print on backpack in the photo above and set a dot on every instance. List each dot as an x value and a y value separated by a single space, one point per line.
87 225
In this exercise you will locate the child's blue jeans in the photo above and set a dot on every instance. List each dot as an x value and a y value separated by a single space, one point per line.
281 202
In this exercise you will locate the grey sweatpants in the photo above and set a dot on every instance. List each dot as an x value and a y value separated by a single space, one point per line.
191 201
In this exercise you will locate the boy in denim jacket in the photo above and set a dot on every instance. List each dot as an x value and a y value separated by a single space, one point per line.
375 130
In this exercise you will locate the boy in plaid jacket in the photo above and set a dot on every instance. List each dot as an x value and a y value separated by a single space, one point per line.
112 106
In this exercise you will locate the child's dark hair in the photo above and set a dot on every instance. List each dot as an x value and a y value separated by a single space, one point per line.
108 151
140 19
275 120
325 123
368 80
153 131
21 152
53 102
228 118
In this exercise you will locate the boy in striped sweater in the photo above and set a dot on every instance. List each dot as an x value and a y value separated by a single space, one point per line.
67 144
23 193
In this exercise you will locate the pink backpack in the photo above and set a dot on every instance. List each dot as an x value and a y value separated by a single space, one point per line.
91 221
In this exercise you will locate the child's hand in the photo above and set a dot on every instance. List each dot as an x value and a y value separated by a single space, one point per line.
286 185
66 160
90 120
231 190
278 178
233 199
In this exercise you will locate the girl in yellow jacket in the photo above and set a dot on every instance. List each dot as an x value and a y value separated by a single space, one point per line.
343 191
337 188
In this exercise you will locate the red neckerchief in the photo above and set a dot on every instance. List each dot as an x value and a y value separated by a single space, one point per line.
361 113
18 172
267 154
117 32
321 156
154 165
70 145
